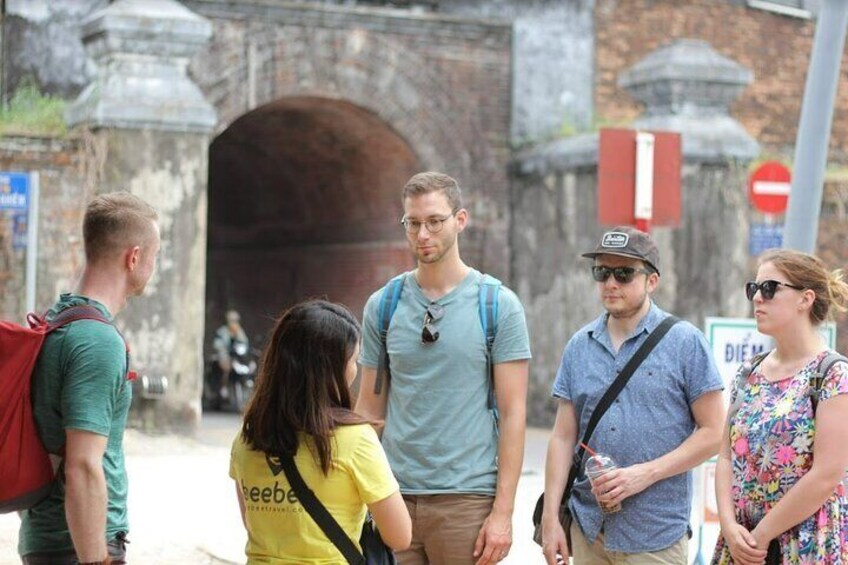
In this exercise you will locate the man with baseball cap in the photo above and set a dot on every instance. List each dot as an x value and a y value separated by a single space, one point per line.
666 420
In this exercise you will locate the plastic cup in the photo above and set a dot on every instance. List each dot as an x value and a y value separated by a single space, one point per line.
596 466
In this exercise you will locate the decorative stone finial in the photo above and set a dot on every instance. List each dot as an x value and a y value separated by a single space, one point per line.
142 49
688 87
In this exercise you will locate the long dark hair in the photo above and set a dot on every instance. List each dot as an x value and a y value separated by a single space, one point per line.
301 386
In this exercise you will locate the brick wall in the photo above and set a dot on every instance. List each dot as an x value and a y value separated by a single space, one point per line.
775 47
63 195
833 236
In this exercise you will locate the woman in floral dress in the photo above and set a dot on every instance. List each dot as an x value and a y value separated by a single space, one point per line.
779 479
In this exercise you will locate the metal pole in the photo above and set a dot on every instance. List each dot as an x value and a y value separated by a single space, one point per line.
802 219
32 241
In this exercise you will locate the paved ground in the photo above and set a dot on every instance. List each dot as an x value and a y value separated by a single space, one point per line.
183 507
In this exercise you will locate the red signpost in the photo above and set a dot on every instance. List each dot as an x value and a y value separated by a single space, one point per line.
768 187
617 180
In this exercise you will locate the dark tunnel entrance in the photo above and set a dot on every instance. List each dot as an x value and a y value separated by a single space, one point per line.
304 201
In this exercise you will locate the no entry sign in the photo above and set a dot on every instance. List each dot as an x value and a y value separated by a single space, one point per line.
768 187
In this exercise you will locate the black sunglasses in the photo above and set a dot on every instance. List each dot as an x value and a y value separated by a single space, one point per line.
766 288
622 275
433 313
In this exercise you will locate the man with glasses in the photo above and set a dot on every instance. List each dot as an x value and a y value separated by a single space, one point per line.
457 463
666 420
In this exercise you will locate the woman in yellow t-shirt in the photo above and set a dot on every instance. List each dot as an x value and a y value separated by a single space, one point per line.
302 407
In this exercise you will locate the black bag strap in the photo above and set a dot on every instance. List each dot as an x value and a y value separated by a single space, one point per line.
606 401
319 513
618 385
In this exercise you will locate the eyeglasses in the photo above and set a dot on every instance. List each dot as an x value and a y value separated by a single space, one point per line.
433 313
433 225
766 288
622 275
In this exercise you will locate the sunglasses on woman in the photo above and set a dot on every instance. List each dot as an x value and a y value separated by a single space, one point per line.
766 288
622 275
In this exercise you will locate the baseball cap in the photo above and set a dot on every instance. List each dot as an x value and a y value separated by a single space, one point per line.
627 241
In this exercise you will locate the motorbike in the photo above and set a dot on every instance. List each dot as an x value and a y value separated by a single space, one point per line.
241 380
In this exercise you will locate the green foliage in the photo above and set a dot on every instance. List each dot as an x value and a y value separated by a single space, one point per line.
30 112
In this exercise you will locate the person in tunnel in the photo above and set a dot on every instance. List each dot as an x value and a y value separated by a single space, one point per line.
226 337
454 409
300 424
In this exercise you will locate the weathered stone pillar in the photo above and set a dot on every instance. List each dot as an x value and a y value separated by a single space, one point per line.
686 87
150 128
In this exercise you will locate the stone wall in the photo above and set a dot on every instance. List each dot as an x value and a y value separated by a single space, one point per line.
553 62
165 325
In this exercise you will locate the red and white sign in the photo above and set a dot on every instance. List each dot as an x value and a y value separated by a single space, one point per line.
639 178
768 187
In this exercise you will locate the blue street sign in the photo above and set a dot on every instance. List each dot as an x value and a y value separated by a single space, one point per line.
14 191
764 236
19 230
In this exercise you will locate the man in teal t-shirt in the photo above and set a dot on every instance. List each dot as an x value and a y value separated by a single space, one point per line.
81 394
457 467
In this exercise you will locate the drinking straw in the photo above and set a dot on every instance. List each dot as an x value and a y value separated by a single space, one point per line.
587 448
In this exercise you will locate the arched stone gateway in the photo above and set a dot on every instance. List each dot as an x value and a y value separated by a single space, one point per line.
304 201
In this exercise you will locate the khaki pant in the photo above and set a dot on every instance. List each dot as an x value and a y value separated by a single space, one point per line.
444 527
596 554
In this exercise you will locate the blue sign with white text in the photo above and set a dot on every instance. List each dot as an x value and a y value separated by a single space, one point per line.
763 237
14 191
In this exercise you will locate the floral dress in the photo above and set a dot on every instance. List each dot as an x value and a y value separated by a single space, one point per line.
771 444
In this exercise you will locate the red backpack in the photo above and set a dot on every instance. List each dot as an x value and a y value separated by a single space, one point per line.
27 471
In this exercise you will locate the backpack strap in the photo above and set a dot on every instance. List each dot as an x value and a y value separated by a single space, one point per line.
741 377
488 305
817 380
75 313
388 304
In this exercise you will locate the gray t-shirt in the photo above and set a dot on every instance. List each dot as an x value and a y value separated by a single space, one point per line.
440 436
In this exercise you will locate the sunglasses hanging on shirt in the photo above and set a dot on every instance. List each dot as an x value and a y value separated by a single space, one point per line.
433 313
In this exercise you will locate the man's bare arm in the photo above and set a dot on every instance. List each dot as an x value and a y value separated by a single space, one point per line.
369 404
557 466
495 537
86 497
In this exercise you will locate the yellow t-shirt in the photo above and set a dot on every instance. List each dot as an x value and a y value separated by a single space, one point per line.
279 529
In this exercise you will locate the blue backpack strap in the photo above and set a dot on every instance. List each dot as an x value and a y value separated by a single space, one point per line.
816 381
388 304
488 304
